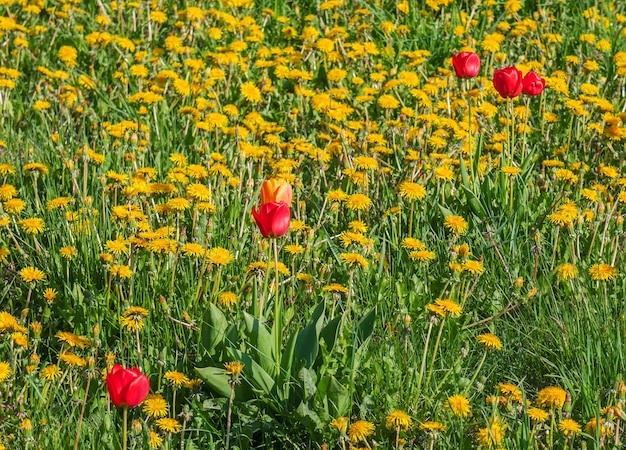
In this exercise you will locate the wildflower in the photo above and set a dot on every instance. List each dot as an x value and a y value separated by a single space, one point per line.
413 244
50 373
233 368
227 299
132 318
155 440
569 427
459 405
352 259
398 419
33 225
510 391
219 256
492 436
50 294
422 255
474 267
603 272
358 202
68 252
445 307
432 426
32 274
340 424
72 359
411 191
250 92
5 371
566 271
192 249
73 340
490 341
537 414
335 287
168 425
360 430
592 426
457 225
177 379
551 397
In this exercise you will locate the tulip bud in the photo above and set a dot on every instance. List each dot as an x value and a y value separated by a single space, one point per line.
276 191
466 64
508 82
273 218
127 387
533 84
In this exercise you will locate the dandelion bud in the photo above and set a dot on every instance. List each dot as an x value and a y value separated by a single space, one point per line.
407 320
137 427
519 282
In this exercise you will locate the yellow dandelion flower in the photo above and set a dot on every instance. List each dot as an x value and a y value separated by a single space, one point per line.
459 405
422 255
569 427
32 274
457 225
68 252
603 272
340 424
155 440
490 341
474 267
335 287
250 92
412 191
33 225
354 259
5 371
537 414
72 359
168 425
73 340
357 202
432 427
50 373
133 318
227 299
566 271
491 436
412 244
219 256
360 431
177 379
50 294
233 368
398 419
551 397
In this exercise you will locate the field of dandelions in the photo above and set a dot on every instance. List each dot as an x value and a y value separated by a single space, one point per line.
452 274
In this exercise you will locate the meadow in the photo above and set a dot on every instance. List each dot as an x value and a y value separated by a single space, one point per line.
451 275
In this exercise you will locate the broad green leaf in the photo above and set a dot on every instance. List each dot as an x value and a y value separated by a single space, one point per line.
364 328
307 343
329 333
308 378
261 340
254 373
217 381
338 398
214 325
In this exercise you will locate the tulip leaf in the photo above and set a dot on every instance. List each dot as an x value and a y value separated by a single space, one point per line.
217 380
261 341
253 372
214 325
338 398
307 342
329 333
364 328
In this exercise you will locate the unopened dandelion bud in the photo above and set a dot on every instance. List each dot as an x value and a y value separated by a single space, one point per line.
96 330
519 282
601 208
407 320
537 237
25 312
619 220
567 406
621 389
137 427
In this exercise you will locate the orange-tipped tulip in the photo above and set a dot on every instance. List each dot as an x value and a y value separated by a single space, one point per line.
276 191
273 218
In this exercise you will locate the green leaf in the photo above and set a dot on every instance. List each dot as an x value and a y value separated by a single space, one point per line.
217 381
307 342
308 378
338 398
253 372
214 325
308 417
329 333
261 340
364 328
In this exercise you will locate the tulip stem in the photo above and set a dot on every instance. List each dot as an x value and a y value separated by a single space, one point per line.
124 428
278 332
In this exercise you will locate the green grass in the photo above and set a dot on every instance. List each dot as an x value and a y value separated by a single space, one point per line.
336 339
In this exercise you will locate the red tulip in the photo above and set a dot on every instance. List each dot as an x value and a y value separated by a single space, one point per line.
272 218
466 64
127 387
275 190
533 84
508 82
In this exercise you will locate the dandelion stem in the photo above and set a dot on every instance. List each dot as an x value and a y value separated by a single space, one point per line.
424 357
82 414
230 411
